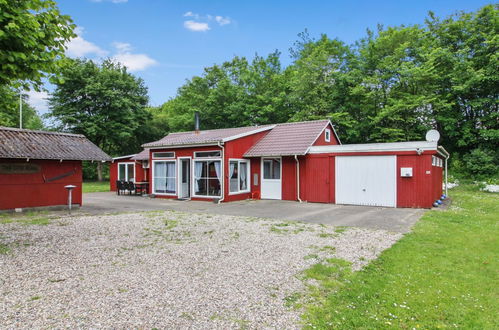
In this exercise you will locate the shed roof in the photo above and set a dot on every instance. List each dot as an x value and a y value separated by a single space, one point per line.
24 143
207 136
143 155
288 139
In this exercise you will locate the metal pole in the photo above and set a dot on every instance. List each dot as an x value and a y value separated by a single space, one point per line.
20 110
446 183
70 199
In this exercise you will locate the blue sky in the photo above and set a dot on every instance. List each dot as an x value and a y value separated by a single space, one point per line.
168 42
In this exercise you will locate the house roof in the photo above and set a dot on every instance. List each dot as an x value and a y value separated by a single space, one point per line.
206 137
376 147
288 139
24 143
143 155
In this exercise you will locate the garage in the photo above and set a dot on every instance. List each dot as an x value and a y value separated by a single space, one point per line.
366 180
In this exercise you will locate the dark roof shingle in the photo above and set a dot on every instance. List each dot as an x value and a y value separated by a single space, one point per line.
288 139
24 143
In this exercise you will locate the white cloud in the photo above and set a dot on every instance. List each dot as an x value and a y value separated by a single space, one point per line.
196 26
191 14
38 100
134 62
79 47
222 20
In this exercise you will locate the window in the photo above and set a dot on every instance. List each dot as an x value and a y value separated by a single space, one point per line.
207 178
170 154
126 171
207 154
327 135
272 169
165 179
239 176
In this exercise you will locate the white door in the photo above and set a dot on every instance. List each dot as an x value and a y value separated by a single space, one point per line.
271 178
184 177
366 180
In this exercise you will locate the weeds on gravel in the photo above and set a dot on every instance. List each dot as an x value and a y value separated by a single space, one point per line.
28 218
4 248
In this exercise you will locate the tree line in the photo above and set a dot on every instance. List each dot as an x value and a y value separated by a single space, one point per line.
392 85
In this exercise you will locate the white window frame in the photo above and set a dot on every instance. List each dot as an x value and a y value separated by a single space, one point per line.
153 177
193 181
248 173
280 168
210 157
126 171
179 179
161 157
327 135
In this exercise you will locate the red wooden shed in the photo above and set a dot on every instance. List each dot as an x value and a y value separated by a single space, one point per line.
303 161
36 165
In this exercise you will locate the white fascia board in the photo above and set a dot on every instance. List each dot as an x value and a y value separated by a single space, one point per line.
258 130
374 147
121 157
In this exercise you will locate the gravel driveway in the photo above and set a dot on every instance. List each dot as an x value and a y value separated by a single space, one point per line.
166 270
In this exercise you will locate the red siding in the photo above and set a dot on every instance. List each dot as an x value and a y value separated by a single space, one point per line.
318 185
255 169
31 190
321 140
416 191
236 149
288 179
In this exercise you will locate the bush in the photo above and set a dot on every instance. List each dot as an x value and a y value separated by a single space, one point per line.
481 164
90 171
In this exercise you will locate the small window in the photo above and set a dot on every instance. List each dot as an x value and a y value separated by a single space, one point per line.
126 171
207 154
272 169
170 154
327 135
239 176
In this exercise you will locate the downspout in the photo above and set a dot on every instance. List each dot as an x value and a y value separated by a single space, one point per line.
446 155
298 178
222 169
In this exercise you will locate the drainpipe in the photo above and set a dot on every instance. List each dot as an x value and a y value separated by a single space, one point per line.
446 155
222 169
298 178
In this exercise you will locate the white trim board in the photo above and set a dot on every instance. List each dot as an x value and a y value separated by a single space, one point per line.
375 147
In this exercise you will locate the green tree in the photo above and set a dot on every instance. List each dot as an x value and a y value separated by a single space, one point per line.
105 103
33 34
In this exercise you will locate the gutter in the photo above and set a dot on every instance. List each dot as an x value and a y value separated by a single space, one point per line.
298 178
222 169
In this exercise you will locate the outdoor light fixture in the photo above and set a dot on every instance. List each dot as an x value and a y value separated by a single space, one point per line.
70 188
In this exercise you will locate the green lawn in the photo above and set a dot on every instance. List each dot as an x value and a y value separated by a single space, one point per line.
443 274
95 186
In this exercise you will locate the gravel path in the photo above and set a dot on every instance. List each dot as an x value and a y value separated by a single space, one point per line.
166 270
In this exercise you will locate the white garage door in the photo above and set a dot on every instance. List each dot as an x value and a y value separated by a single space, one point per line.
366 180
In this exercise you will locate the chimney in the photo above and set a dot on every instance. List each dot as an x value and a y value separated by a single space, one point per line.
196 122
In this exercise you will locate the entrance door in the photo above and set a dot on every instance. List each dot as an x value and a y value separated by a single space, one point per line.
271 178
366 180
185 178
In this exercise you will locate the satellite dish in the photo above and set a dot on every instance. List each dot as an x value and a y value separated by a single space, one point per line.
432 135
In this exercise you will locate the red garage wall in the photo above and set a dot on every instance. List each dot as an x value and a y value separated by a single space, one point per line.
321 140
415 191
33 190
318 183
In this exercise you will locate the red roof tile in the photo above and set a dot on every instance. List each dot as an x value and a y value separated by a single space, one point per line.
288 139
24 143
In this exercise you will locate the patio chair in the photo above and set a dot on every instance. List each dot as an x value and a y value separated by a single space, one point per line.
130 186
119 187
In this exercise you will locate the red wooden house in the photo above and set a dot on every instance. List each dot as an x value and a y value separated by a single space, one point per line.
36 165
303 161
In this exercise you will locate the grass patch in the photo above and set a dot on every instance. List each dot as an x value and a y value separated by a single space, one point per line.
443 274
28 218
95 186
4 248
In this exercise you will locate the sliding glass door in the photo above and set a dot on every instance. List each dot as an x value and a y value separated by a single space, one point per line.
165 179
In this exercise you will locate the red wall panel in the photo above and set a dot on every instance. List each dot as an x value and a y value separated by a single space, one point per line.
415 191
288 179
33 190
318 182
140 174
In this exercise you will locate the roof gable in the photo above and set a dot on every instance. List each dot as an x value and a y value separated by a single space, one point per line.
24 143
